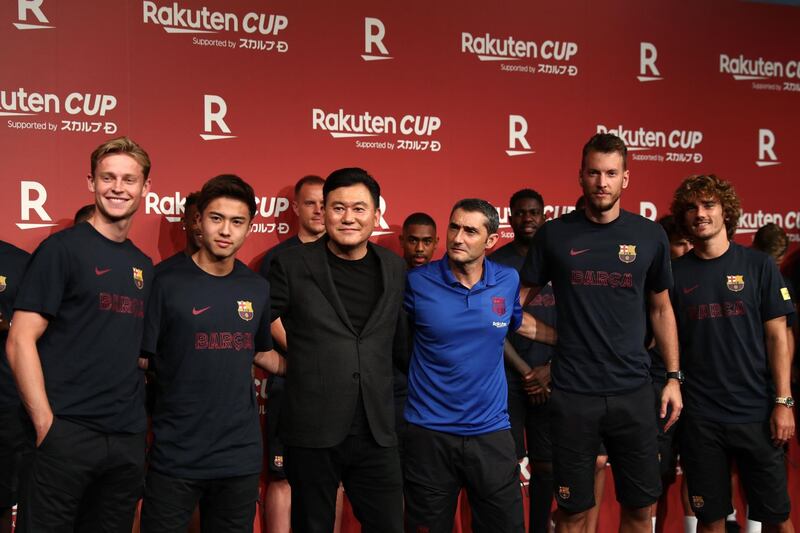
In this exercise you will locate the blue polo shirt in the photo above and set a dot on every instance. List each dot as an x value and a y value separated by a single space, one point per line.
456 381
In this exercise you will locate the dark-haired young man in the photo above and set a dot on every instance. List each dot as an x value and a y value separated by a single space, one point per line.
339 300
308 207
418 239
191 229
607 266
458 428
206 324
12 434
73 348
529 414
731 305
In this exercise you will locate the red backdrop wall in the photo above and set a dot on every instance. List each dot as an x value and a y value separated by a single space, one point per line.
438 100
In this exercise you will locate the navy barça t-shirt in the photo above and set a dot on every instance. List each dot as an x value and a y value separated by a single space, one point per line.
12 267
94 292
543 308
601 276
201 333
721 305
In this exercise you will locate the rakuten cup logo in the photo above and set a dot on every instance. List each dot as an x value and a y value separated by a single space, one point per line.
676 146
30 16
86 112
171 207
374 32
549 57
413 133
764 74
261 29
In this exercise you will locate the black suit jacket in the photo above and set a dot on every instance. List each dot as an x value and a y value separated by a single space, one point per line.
327 358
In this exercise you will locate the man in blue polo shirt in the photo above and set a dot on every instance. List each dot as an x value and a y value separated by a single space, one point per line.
461 308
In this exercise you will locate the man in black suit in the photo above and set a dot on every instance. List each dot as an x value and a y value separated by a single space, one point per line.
339 300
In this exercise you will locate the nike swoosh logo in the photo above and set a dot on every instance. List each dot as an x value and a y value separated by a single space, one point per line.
200 311
99 272
687 290
573 251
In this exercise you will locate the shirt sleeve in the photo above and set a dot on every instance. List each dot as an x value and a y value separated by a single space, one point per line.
659 274
775 298
45 280
534 270
153 320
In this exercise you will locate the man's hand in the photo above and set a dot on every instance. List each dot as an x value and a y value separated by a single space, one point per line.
537 381
781 425
671 396
539 399
43 427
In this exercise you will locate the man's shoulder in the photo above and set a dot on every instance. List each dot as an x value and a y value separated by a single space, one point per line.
392 259
9 250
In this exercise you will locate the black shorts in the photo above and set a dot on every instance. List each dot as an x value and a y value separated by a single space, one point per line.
275 450
12 439
624 423
438 465
226 504
667 442
707 449
531 421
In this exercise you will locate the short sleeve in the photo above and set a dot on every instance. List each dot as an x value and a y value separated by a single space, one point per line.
775 297
152 319
659 273
45 280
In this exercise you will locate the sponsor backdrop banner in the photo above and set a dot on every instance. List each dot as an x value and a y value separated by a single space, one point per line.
439 101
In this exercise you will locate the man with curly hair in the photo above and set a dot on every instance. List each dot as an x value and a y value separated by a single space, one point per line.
731 306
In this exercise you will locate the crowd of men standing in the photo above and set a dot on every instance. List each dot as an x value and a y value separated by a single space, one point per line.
402 381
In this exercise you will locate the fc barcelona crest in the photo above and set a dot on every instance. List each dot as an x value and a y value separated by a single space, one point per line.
245 309
3 283
698 502
499 305
627 253
563 493
736 283
138 278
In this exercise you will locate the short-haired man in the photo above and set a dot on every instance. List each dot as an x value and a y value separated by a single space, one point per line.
461 308
192 231
308 207
73 348
418 239
12 434
607 266
83 214
339 300
529 413
731 305
206 324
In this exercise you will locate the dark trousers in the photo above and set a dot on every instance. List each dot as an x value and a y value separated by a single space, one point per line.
437 465
226 505
371 477
81 480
